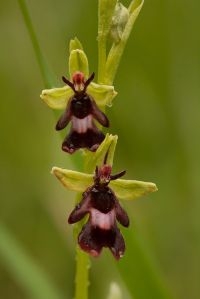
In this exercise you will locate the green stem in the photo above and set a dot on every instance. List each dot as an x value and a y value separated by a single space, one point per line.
82 264
101 45
82 274
101 58
104 21
48 77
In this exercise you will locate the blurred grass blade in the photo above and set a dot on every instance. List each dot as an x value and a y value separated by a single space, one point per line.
48 77
140 274
24 270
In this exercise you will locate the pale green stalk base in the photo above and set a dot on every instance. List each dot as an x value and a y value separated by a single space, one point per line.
82 274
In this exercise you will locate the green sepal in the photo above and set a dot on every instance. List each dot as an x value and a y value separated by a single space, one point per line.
102 94
57 98
77 58
124 189
78 62
131 189
73 180
107 147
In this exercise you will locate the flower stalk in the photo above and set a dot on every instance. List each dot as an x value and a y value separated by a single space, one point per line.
115 23
113 20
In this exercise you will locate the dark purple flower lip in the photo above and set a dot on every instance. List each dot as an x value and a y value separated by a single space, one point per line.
104 210
81 111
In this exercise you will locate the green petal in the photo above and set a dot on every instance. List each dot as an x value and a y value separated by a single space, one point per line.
97 158
78 62
57 98
130 189
102 94
73 180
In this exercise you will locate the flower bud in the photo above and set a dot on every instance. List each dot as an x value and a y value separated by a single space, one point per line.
119 21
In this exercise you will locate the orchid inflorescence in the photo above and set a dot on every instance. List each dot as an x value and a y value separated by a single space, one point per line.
84 102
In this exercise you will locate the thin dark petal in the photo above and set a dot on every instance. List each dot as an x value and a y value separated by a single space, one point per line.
121 215
118 247
117 175
99 115
65 118
69 83
88 81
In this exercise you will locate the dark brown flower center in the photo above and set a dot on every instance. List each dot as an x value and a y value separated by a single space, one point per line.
81 106
102 199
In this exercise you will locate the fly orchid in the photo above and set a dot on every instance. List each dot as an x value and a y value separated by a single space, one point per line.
81 110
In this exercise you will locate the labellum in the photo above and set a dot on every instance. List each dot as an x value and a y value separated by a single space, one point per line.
104 209
81 111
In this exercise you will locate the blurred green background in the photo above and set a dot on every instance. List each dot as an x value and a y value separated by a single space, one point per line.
157 117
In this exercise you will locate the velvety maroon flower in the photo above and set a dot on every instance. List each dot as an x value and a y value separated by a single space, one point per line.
104 210
81 110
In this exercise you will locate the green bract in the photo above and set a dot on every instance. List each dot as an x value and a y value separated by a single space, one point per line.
106 11
122 29
119 21
107 147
